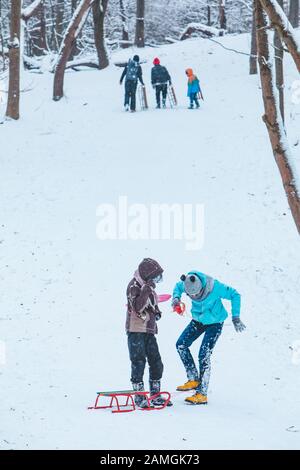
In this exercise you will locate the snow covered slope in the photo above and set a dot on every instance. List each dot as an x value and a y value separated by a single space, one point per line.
63 290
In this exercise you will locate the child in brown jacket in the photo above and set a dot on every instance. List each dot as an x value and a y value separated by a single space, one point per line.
141 328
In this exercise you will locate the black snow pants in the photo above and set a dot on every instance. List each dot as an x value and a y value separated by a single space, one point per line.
130 93
161 89
142 347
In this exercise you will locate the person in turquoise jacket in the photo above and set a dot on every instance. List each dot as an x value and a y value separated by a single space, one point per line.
208 315
193 88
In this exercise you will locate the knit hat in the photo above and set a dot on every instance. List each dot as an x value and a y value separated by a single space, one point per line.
192 284
156 61
149 269
136 58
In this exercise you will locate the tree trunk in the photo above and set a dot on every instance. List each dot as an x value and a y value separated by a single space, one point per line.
208 13
253 56
39 35
272 117
59 20
75 51
125 35
140 24
222 14
99 10
2 39
294 13
75 26
279 20
279 67
12 110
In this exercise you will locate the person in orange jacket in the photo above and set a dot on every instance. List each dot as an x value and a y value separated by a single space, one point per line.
193 88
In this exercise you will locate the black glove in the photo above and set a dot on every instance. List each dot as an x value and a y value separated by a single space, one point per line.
157 314
238 324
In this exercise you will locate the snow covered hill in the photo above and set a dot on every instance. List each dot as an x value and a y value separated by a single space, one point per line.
63 290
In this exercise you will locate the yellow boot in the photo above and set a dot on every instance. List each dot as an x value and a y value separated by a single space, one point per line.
190 385
197 399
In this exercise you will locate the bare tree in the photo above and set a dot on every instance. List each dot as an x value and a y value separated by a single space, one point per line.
253 53
140 24
222 14
279 67
31 9
99 10
294 13
279 20
272 117
79 17
59 23
12 110
125 35
75 49
39 34
208 13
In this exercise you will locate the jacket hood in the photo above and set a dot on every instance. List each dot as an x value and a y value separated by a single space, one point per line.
200 275
189 72
149 269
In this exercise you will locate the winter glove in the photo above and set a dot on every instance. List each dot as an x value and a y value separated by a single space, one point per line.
157 314
178 306
238 324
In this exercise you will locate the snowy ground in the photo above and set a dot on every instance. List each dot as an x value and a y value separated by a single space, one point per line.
63 290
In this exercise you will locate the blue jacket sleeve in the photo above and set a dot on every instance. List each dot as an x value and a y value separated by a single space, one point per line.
231 294
178 290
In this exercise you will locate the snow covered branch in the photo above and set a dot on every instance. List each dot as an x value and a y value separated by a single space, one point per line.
202 29
273 119
29 11
284 28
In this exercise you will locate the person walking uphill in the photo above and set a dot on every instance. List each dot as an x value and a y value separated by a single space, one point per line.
141 328
208 315
193 88
132 73
160 78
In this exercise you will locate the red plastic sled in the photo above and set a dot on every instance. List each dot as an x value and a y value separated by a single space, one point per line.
129 403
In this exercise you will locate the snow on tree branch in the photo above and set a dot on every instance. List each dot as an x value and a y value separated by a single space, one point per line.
30 10
204 30
284 28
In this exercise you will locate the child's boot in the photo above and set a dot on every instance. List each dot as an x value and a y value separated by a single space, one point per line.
197 399
140 400
189 385
154 390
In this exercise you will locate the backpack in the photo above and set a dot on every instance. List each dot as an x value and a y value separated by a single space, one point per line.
132 70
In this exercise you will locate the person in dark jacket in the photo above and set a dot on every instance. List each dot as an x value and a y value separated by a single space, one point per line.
141 328
132 73
160 78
